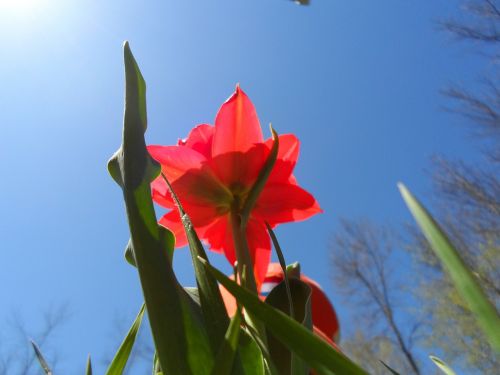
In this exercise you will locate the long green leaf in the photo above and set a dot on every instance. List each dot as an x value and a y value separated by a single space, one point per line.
121 357
442 365
252 360
41 359
212 305
281 259
460 274
316 352
225 357
179 334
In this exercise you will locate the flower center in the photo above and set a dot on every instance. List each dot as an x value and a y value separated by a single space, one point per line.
239 195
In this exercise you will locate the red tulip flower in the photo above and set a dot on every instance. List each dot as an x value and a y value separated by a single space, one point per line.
212 172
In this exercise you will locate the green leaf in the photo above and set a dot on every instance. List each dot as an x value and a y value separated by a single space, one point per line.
281 259
156 365
443 366
212 305
316 352
252 361
121 357
88 370
460 274
227 351
287 362
167 243
41 360
178 330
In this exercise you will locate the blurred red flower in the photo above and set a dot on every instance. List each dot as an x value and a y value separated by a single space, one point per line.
212 171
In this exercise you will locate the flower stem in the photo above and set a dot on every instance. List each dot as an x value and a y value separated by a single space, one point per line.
245 269
242 252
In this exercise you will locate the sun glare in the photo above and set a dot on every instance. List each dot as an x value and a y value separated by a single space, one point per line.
19 5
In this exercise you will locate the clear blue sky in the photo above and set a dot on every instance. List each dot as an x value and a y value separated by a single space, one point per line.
356 81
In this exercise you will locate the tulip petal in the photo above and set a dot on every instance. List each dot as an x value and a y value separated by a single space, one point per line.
161 193
220 238
240 170
172 221
288 154
200 139
176 161
199 188
237 126
281 203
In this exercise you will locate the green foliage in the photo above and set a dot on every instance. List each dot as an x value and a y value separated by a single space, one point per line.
463 279
227 351
117 365
41 359
179 334
208 291
316 352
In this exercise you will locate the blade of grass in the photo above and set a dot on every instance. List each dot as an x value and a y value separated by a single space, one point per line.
88 370
460 274
41 359
281 259
117 365
211 301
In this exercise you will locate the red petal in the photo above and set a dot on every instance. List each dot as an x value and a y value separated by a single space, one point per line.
237 126
173 222
200 187
161 193
240 170
281 203
175 160
220 238
200 139
288 154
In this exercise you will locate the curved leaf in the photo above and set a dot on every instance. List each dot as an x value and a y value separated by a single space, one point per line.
179 334
464 281
121 357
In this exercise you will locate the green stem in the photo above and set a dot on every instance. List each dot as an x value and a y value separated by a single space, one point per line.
242 252
245 268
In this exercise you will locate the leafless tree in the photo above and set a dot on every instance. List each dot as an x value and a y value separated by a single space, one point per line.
141 358
363 261
16 353
465 199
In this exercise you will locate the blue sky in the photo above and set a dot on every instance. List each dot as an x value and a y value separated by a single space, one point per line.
358 82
